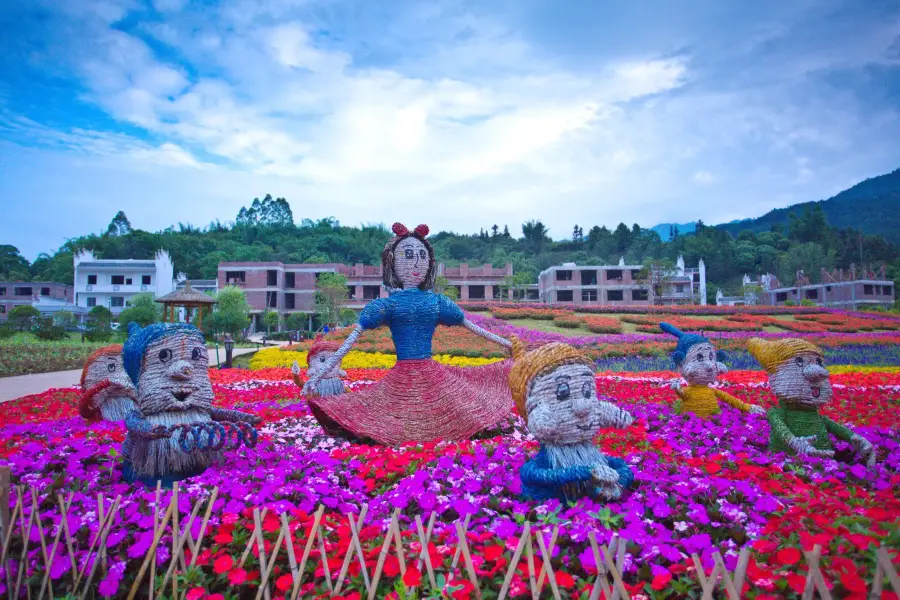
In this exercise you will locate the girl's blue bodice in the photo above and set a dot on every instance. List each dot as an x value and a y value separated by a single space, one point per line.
412 316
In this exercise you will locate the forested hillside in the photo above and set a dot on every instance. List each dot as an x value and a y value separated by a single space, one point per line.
266 231
872 206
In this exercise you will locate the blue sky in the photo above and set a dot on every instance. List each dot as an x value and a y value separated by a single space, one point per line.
460 114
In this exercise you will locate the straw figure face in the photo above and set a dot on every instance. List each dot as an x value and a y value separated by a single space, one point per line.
701 365
562 405
317 364
174 375
802 380
107 390
408 259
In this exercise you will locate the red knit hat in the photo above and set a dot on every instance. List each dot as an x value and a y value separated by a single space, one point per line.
113 350
320 344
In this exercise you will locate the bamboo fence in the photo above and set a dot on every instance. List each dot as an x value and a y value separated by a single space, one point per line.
185 549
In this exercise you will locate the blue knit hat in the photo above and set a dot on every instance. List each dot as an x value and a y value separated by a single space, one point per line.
685 341
139 338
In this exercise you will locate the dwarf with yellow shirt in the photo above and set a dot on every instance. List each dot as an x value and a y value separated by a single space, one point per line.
699 364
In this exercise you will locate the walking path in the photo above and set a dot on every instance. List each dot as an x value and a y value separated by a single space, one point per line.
23 385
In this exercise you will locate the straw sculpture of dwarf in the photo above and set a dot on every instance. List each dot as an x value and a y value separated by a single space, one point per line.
107 392
329 383
176 432
799 380
700 365
419 400
556 393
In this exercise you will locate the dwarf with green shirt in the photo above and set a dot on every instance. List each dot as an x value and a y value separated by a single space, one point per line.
798 378
699 363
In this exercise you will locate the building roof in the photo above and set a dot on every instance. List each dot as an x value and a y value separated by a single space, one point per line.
117 264
187 295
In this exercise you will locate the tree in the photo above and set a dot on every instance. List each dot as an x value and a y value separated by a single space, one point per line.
495 231
296 321
13 266
811 226
656 274
120 225
535 233
621 238
100 315
577 234
270 320
506 231
442 286
232 312
143 311
266 213
515 283
64 318
22 317
331 293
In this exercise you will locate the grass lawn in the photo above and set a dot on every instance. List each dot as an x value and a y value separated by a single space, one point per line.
23 353
548 326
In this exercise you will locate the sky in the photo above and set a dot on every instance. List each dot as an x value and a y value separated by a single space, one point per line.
459 114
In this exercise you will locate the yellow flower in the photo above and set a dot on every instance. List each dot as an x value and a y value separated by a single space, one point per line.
841 369
276 357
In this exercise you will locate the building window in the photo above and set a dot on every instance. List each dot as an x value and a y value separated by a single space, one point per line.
91 301
639 295
635 273
290 280
289 301
588 295
117 279
117 301
45 291
128 281
2 291
887 290
868 290
2 309
614 275
271 277
498 292
827 288
351 292
589 277
532 294
564 275
272 299
812 294
615 295
235 276
564 296
23 291
476 292
697 277
145 280
92 280
679 288
781 297
370 292
519 294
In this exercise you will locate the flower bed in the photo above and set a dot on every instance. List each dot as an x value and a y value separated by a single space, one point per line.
700 486
285 357
652 310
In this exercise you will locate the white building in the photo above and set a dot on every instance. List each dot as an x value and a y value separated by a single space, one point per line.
113 282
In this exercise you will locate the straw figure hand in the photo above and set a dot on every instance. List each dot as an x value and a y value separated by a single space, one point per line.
805 445
864 448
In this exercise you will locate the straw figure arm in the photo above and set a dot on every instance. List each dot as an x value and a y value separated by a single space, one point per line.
611 416
234 416
479 331
738 404
862 446
335 360
799 444
141 428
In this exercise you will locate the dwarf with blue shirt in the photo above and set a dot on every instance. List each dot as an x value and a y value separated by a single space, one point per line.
419 400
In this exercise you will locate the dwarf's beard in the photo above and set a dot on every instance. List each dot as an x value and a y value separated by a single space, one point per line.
584 454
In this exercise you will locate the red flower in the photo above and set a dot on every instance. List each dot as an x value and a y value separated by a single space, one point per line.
237 576
215 597
223 564
564 580
660 582
788 556
713 468
196 593
284 583
413 577
492 553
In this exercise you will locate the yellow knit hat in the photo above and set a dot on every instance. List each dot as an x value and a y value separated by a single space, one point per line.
772 355
528 365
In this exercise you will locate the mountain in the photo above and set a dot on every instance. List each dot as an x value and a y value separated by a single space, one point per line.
872 206
664 229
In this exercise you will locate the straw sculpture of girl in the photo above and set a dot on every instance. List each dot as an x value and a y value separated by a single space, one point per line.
419 400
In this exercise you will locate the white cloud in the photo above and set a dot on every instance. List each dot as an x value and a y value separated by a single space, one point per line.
703 177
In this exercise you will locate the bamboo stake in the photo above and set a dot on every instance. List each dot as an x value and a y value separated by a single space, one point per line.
424 539
68 534
456 553
428 531
5 486
601 583
529 556
733 587
151 554
203 524
548 567
152 581
309 543
355 545
176 533
100 529
252 540
261 548
324 558
46 557
517 556
395 525
7 541
292 556
547 556
615 568
46 581
267 568
178 541
814 579
884 568
385 548
103 534
26 531
707 584
467 558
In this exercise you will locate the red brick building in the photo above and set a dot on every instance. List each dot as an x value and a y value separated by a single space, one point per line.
16 293
291 288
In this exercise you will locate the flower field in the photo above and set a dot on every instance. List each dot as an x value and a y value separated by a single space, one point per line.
701 486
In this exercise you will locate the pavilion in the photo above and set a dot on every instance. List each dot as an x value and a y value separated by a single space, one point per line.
187 298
